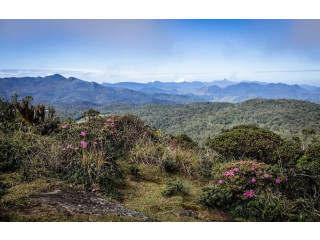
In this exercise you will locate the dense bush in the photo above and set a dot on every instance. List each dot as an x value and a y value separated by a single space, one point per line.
247 141
217 197
173 188
7 116
185 141
267 207
310 163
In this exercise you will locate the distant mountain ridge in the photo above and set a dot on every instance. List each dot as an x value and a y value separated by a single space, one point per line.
61 92
170 87
227 91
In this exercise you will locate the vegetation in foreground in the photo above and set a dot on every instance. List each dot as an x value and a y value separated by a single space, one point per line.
243 174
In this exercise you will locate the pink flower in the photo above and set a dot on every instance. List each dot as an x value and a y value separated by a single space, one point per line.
253 180
260 171
69 146
266 175
220 182
112 124
63 149
229 173
236 170
83 134
109 120
278 181
64 126
95 143
249 194
76 148
84 144
252 168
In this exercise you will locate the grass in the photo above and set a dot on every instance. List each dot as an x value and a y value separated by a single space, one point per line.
144 194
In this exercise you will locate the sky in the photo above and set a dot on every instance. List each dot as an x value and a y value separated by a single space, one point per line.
285 51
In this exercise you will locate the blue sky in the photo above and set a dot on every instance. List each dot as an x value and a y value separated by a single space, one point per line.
165 50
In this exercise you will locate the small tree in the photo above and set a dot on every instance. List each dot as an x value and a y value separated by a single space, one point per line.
91 113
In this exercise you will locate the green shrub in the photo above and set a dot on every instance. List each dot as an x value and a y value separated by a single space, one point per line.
185 141
7 116
217 197
134 169
12 154
173 188
169 164
269 208
253 142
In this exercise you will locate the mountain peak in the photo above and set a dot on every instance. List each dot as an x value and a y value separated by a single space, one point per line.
55 76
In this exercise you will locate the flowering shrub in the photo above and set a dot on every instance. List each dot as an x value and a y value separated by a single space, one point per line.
244 176
238 184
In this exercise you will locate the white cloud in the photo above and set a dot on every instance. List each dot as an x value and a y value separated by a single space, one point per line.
182 79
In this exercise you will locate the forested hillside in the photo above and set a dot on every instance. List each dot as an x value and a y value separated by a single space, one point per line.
201 120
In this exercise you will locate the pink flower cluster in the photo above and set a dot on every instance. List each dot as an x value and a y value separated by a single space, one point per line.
84 144
249 194
109 123
229 173
69 146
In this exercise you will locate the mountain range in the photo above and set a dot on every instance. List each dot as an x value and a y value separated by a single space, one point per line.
227 91
62 92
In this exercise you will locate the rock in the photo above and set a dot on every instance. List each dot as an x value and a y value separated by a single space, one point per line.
73 201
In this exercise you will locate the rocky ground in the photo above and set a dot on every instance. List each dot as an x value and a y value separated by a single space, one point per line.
72 202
